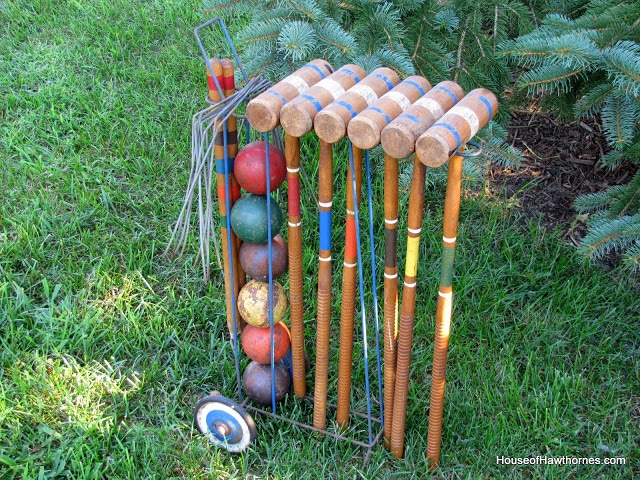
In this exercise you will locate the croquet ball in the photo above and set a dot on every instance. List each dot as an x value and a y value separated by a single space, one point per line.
254 258
257 381
253 303
250 167
249 218
256 342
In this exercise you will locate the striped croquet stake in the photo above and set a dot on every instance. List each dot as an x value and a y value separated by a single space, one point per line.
224 164
229 88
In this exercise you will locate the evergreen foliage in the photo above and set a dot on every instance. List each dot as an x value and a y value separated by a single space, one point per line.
585 61
451 40
581 59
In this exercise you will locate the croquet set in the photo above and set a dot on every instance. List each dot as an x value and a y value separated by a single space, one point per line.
288 357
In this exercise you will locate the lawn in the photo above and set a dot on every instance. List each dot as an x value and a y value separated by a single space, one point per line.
106 346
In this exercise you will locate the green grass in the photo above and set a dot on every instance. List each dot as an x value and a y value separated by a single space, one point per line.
106 346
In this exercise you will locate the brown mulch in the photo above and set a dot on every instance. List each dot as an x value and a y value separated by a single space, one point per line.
562 162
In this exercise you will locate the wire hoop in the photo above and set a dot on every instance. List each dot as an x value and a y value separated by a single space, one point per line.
472 153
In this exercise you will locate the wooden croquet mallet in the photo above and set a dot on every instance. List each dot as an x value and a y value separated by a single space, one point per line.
330 125
365 129
460 123
398 141
229 88
263 114
364 132
296 118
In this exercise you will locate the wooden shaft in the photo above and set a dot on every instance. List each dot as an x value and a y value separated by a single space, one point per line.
296 303
364 130
456 127
229 88
221 168
443 309
263 112
399 137
323 327
390 309
348 301
405 328
296 117
331 122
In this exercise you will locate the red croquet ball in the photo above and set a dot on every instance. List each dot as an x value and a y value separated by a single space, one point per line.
253 303
256 342
250 167
256 381
254 258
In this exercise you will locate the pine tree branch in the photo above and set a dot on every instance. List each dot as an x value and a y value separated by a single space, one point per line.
459 56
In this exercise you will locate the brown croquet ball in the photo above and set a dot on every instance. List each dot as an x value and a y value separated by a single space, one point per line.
256 342
253 303
250 167
256 381
254 258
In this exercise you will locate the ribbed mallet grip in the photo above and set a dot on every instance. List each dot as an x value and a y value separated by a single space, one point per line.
398 139
263 112
331 122
296 117
364 130
456 127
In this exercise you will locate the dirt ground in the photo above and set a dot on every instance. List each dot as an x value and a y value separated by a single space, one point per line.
561 163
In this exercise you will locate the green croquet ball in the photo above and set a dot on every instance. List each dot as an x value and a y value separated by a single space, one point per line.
249 218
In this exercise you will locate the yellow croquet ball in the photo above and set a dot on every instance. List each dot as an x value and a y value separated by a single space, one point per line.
253 303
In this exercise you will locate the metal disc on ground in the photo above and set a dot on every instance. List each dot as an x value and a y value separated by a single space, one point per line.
254 258
250 167
256 381
256 342
225 422
253 303
249 218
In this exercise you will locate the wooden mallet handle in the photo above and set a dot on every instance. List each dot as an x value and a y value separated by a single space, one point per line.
398 139
456 127
331 122
296 117
364 130
263 112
